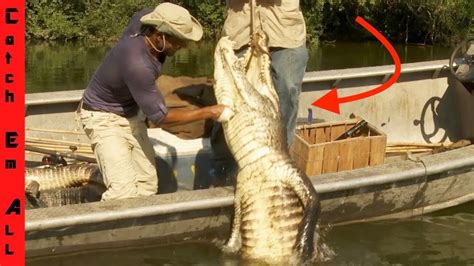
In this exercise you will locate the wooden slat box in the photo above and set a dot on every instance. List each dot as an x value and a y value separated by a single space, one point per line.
315 151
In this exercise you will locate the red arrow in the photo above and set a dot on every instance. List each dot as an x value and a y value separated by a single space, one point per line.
331 101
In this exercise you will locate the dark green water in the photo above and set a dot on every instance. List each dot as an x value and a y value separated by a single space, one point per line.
443 238
54 67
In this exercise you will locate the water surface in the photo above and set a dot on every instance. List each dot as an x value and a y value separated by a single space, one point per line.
443 238
55 67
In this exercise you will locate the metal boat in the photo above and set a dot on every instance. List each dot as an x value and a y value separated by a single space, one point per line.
427 105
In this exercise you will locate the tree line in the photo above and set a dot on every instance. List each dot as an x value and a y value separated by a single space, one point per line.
409 21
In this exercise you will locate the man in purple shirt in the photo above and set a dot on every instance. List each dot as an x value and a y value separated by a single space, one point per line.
123 92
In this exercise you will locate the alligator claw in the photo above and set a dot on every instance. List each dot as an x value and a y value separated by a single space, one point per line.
232 247
225 115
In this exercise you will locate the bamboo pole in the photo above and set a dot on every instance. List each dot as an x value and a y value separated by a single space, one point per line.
44 140
392 144
54 142
65 150
68 148
59 131
42 153
62 148
410 147
63 154
409 150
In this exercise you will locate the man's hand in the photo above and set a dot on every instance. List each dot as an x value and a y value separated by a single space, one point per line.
225 113
220 112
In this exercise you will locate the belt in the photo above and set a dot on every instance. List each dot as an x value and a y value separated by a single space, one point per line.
85 106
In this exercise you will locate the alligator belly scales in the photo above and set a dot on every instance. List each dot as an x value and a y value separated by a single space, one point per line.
64 176
63 185
276 206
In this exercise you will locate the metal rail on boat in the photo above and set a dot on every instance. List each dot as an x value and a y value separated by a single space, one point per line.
315 76
386 71
460 159
138 212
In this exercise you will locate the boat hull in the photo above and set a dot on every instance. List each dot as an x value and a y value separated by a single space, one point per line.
394 190
426 105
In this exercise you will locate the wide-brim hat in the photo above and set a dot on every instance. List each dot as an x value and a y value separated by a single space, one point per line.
175 20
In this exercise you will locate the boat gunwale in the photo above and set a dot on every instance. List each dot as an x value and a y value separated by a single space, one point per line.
58 97
372 176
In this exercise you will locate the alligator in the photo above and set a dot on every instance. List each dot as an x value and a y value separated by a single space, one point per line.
64 176
276 206
63 185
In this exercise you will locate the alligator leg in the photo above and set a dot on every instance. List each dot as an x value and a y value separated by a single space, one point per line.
235 242
307 194
32 188
32 195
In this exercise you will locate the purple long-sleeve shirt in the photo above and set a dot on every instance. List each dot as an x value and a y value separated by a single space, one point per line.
125 81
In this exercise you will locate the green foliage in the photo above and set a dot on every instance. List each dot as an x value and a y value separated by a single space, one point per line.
312 11
55 22
409 21
415 21
96 20
106 19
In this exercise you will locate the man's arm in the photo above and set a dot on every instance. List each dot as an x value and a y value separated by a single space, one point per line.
140 80
188 116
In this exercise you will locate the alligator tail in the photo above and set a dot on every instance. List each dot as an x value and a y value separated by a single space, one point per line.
304 245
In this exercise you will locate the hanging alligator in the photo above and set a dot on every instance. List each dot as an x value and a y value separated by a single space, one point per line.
276 205
62 185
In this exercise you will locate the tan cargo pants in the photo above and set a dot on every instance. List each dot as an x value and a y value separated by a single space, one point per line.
124 153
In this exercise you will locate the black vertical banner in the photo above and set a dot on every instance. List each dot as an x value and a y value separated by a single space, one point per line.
12 124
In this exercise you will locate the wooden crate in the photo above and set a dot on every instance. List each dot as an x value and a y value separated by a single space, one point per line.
315 151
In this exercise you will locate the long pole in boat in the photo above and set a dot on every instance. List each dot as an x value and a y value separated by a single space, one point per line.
63 154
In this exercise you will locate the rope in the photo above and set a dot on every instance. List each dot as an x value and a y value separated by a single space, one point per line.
153 46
